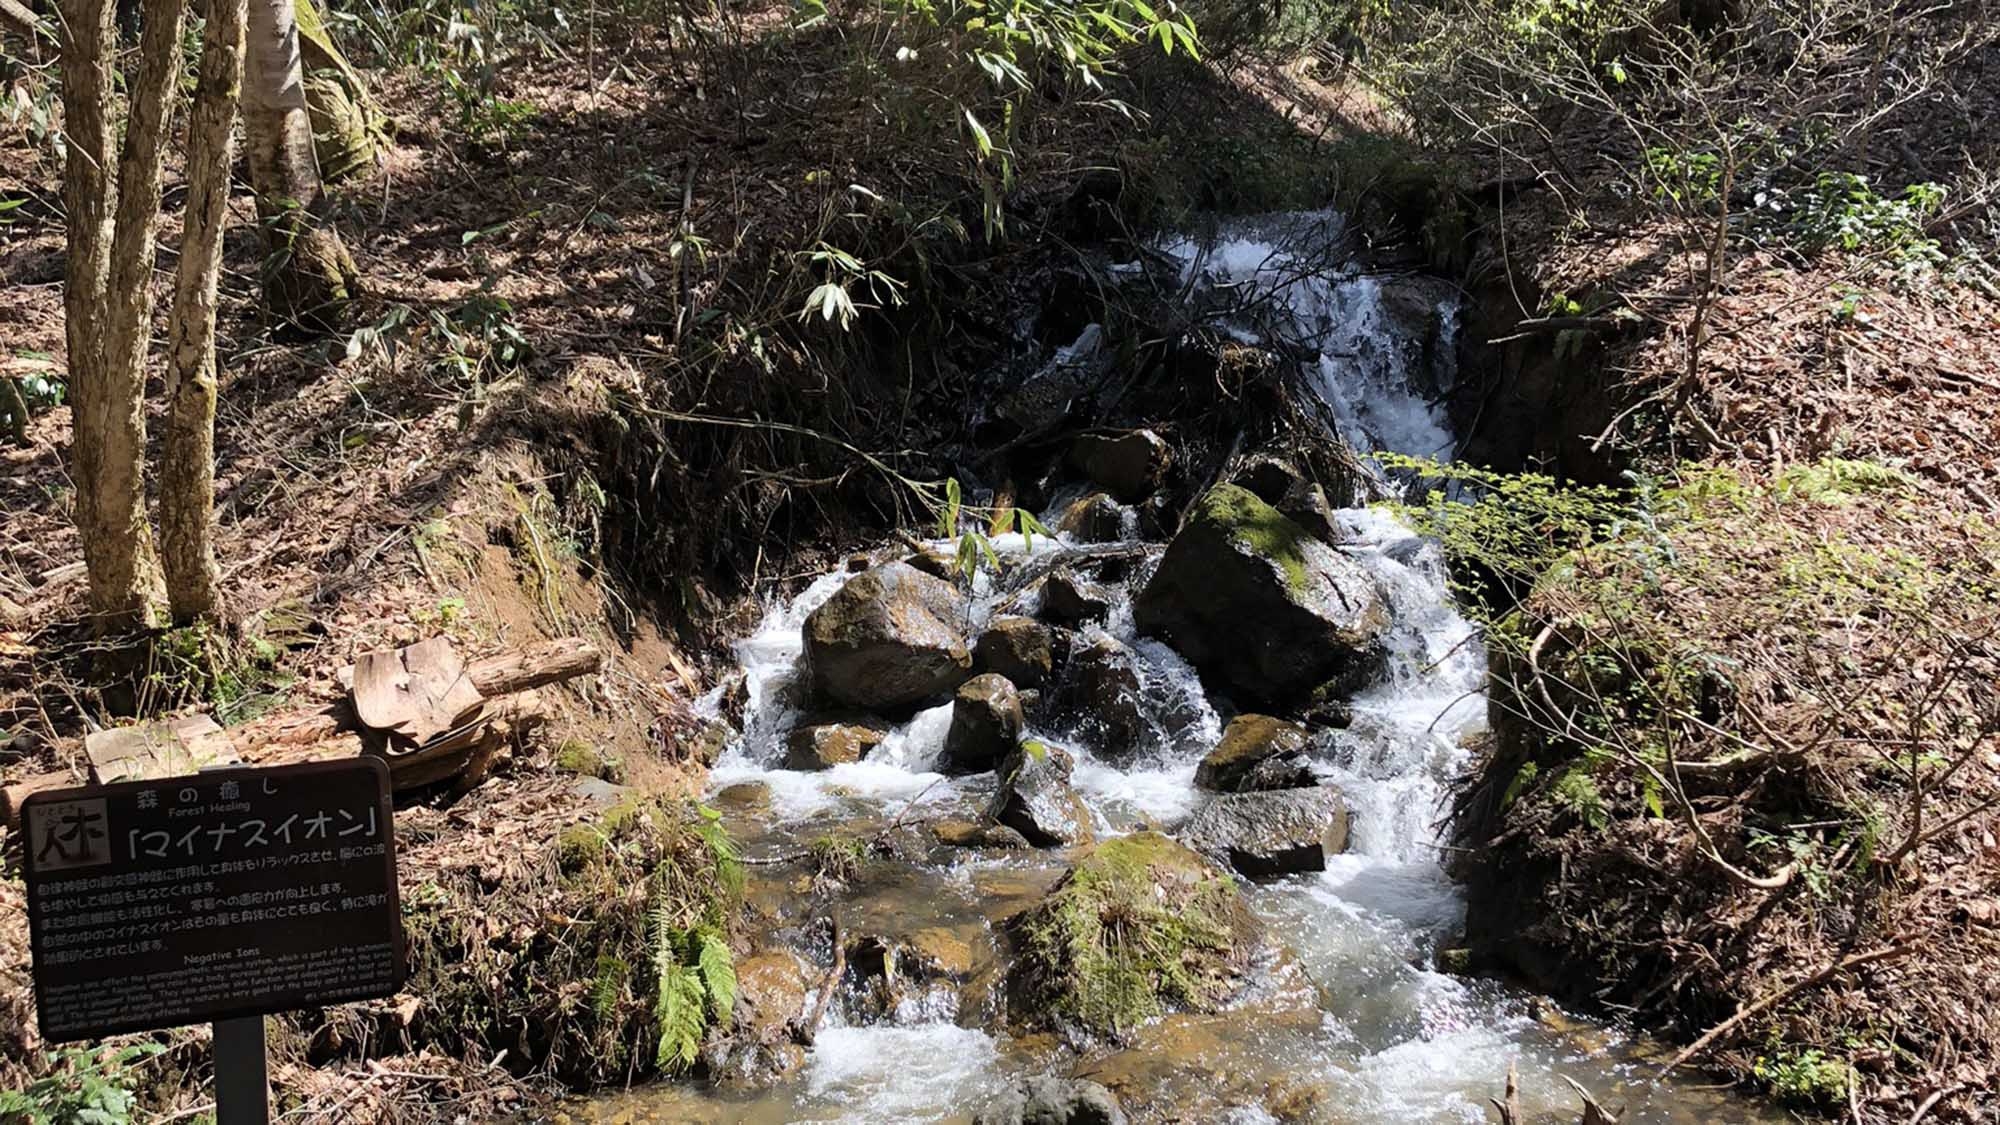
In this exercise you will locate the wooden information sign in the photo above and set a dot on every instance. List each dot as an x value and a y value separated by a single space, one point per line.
226 894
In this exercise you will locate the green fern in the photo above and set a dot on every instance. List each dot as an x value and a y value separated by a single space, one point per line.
728 863
680 1010
718 975
608 987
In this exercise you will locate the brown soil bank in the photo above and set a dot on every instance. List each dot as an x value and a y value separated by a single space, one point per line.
1747 757
1742 786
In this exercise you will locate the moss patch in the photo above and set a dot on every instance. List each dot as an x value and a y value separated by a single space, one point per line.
585 760
1141 924
1256 527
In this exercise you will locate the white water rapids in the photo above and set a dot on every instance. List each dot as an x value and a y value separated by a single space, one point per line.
1396 1041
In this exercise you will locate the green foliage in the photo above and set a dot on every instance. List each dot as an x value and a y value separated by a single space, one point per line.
693 972
196 664
1508 528
24 396
836 858
1688 179
681 1005
83 1086
1835 480
843 276
1842 211
607 988
485 117
997 56
1807 1078
1575 790
948 508
438 36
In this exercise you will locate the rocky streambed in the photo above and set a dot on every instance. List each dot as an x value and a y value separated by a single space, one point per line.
1136 820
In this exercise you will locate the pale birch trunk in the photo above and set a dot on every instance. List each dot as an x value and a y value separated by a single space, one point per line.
187 465
308 276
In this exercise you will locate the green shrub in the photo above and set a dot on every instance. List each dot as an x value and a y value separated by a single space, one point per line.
83 1086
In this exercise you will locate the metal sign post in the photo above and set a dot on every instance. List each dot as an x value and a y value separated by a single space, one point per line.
217 897
242 1091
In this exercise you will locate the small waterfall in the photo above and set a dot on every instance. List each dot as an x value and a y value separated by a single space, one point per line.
1398 1042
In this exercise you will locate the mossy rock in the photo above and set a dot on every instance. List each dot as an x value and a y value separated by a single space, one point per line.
1263 608
1257 752
1139 926
581 758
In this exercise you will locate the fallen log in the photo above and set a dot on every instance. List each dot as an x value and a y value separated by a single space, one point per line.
512 708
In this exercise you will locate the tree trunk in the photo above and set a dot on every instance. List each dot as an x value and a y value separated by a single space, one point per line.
346 123
187 466
108 297
308 277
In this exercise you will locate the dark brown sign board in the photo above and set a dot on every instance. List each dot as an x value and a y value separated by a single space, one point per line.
224 894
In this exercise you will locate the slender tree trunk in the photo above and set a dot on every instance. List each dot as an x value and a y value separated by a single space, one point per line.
187 466
108 297
308 277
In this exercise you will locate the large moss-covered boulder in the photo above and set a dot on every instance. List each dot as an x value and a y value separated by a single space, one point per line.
1263 609
1035 797
1257 752
1281 832
892 638
986 722
1140 925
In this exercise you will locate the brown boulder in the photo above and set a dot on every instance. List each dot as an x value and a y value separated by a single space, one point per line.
890 639
1018 648
823 743
986 722
1128 465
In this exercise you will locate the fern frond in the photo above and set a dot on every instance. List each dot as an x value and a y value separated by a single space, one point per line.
718 975
728 861
679 1009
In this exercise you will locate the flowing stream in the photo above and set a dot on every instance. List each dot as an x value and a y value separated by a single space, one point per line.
1386 1037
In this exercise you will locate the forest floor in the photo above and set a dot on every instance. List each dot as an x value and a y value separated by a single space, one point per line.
636 222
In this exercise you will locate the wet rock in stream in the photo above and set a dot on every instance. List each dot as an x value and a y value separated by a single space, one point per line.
1280 484
891 638
986 722
1070 599
1095 518
824 742
972 834
1035 797
1048 1100
1280 832
1257 752
1018 648
1260 606
760 1047
1101 689
1128 465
